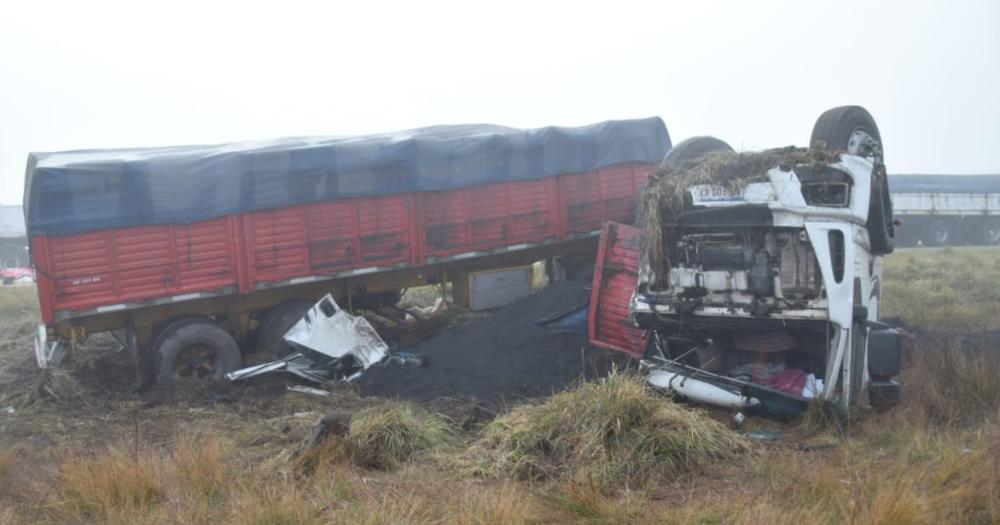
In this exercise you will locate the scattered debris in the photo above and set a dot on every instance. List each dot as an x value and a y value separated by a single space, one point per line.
308 390
507 356
333 346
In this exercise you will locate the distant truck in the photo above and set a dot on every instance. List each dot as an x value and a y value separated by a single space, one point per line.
943 210
191 254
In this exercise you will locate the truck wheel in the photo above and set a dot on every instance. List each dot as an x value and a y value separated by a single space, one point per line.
990 233
845 128
940 232
692 149
13 256
277 321
195 351
852 129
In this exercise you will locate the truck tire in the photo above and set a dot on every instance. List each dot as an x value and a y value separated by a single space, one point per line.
196 350
13 256
940 232
844 128
847 129
990 232
692 149
277 321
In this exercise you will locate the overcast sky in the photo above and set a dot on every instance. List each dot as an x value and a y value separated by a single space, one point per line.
98 74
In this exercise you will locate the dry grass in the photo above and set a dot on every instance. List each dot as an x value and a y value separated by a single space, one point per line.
8 460
116 486
948 289
383 437
614 432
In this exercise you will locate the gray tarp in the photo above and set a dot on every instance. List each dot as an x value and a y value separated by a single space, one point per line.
77 191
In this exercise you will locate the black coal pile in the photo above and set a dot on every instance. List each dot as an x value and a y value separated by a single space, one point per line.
506 357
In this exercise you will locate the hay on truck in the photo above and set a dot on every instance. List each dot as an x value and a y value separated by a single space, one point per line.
666 194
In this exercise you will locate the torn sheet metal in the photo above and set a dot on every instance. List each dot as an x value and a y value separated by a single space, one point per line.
329 330
332 345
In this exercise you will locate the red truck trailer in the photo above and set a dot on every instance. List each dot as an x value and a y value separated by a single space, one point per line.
187 250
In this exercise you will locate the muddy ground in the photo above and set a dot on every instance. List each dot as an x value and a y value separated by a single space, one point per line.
480 363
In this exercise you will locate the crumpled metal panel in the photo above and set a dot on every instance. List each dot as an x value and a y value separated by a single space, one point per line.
615 277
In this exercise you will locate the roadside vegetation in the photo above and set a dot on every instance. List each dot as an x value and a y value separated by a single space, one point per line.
952 289
604 452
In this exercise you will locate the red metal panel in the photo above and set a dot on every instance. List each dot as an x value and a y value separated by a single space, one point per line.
609 194
83 271
93 269
615 277
329 237
277 244
488 217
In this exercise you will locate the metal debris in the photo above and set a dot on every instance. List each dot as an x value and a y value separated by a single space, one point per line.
332 345
308 390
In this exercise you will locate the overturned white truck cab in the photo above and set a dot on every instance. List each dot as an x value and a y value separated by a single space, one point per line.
768 284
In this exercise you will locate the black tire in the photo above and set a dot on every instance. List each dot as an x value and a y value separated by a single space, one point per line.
277 321
692 149
177 343
834 129
989 234
13 256
837 129
940 232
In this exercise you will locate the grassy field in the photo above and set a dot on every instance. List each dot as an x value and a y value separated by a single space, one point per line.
608 452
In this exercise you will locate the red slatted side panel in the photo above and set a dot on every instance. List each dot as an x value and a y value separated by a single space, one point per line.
581 202
609 194
446 222
488 217
329 237
383 231
205 255
534 209
615 277
276 244
93 269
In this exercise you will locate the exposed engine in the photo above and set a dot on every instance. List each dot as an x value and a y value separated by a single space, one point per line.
757 270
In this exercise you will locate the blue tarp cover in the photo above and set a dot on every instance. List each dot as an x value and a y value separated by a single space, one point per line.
77 191
944 183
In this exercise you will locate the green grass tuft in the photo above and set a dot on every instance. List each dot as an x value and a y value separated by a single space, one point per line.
613 431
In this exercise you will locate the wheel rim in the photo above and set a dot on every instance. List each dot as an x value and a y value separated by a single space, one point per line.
940 233
993 233
195 362
859 142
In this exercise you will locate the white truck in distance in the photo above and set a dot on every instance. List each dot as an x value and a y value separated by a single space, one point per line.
770 295
943 210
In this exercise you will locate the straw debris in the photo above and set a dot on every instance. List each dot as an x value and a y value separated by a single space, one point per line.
666 193
614 431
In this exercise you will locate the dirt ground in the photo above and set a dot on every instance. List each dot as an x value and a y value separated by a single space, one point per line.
85 403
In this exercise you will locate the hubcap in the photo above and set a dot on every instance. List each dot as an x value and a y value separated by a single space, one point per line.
195 362
860 143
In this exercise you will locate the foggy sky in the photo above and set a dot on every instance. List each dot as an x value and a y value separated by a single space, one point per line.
757 74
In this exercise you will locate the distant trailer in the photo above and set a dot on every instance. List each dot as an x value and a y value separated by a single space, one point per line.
943 210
